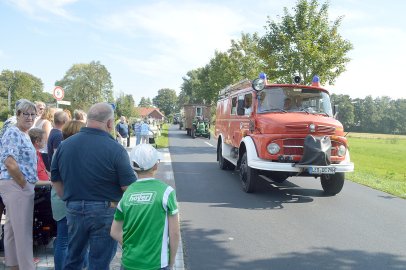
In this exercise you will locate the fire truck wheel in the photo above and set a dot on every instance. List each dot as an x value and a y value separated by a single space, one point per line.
332 183
248 176
224 164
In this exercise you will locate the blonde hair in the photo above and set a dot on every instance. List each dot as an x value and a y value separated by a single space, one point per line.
71 128
79 115
48 114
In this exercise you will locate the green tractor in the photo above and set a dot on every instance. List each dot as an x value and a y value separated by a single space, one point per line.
200 127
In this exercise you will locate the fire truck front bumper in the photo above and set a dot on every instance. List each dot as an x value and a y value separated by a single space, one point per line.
267 165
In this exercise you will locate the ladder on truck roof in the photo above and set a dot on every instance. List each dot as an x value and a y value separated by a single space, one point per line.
234 87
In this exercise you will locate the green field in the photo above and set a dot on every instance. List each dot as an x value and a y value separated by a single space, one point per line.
380 162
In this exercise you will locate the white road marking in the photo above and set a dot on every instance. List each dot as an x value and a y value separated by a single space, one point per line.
209 144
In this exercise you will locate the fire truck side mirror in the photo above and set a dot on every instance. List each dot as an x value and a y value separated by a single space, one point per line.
240 107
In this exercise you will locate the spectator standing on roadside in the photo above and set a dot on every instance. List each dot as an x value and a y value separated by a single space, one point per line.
18 175
68 113
147 216
10 122
37 137
137 132
90 171
145 129
55 136
45 123
41 106
59 209
122 131
79 115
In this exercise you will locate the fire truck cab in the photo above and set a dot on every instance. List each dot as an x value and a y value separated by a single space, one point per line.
280 130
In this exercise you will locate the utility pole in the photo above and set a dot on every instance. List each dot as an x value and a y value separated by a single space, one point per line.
9 99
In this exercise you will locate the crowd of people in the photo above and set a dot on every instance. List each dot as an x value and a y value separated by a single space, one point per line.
100 194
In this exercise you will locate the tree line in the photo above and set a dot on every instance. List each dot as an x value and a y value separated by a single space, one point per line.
379 115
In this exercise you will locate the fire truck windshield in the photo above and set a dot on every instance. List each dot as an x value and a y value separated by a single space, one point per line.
290 99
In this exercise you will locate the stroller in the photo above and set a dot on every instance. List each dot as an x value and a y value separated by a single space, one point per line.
152 138
44 227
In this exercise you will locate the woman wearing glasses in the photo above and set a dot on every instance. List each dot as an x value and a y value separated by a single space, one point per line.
18 175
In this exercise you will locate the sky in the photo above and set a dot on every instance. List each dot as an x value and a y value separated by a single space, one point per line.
150 45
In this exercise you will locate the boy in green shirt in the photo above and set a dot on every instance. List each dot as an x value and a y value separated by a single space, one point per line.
146 221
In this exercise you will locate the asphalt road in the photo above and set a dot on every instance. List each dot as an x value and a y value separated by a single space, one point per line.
284 226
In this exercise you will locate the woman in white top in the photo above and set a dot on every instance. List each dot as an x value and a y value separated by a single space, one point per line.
45 123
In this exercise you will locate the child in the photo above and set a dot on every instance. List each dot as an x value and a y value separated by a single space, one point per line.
146 216
37 136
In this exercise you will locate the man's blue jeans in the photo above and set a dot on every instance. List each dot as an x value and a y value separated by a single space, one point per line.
60 244
89 224
137 138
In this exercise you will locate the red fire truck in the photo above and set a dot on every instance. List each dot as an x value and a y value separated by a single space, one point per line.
281 130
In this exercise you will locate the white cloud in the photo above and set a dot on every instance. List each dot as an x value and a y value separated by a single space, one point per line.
371 77
187 32
40 9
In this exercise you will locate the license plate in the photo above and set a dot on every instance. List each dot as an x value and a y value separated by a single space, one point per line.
322 170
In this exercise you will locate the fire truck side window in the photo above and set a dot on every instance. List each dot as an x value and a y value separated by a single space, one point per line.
234 105
247 104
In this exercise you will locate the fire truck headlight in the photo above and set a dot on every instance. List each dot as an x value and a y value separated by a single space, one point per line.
273 148
341 151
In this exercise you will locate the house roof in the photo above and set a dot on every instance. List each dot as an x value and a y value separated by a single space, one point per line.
143 111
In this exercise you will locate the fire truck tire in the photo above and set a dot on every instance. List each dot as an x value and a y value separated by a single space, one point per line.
332 184
224 164
248 176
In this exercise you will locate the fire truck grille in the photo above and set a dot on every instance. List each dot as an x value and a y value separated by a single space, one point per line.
304 128
295 147
326 129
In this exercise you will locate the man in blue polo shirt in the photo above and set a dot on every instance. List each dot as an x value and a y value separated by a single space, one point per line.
90 171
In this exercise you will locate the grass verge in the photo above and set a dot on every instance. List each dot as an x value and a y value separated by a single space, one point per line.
163 140
380 162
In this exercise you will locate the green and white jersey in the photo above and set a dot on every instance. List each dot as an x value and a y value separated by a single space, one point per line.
144 210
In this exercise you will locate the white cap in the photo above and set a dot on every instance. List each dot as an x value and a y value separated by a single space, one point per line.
143 157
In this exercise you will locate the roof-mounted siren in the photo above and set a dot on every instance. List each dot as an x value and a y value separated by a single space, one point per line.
316 81
259 83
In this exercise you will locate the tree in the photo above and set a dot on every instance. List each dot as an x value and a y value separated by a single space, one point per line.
166 100
345 109
87 84
125 105
21 85
304 44
145 102
245 57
